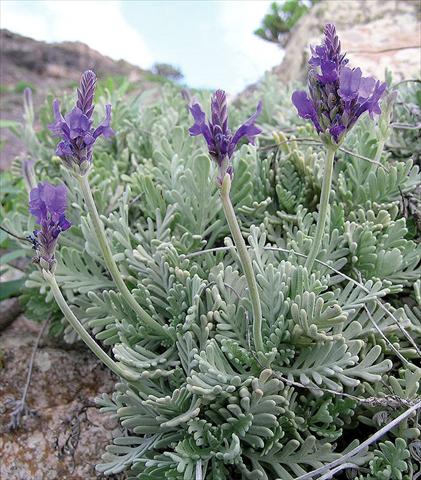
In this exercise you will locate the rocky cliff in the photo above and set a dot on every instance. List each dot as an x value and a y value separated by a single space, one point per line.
48 67
376 34
46 64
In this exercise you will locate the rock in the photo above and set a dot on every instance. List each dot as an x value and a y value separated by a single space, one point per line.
64 435
9 310
377 34
38 62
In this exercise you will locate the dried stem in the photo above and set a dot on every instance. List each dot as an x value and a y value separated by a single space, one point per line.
313 141
199 475
21 408
338 469
403 359
23 239
355 451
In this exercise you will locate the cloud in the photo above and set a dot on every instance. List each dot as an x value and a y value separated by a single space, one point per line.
101 25
224 52
251 55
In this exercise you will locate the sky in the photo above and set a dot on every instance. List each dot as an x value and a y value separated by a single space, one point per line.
212 42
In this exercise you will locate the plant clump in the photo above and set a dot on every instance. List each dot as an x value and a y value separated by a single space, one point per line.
262 321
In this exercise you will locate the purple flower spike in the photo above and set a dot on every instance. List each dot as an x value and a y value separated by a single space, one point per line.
76 129
86 92
221 143
48 203
338 95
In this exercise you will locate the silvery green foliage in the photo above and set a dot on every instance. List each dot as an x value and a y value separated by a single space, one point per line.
204 405
390 461
405 140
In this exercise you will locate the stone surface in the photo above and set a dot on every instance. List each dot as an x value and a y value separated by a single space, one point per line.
9 310
64 435
376 34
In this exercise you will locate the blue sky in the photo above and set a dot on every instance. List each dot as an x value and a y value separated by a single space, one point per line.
211 41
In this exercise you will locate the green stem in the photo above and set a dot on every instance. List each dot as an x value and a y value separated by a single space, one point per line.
110 262
323 208
80 329
379 150
245 262
29 175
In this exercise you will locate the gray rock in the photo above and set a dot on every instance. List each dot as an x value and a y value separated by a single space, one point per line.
64 435
375 33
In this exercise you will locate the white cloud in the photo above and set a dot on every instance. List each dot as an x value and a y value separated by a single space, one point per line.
100 24
240 55
252 55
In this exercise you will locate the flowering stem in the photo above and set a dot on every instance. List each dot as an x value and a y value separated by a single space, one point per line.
323 208
29 175
110 262
379 151
80 329
245 262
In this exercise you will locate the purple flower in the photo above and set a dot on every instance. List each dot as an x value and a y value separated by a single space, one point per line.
76 129
338 95
306 108
48 203
221 143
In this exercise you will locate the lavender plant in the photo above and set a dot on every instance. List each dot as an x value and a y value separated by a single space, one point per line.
221 145
235 358
339 95
76 130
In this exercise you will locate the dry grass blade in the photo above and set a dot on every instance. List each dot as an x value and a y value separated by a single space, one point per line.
348 456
